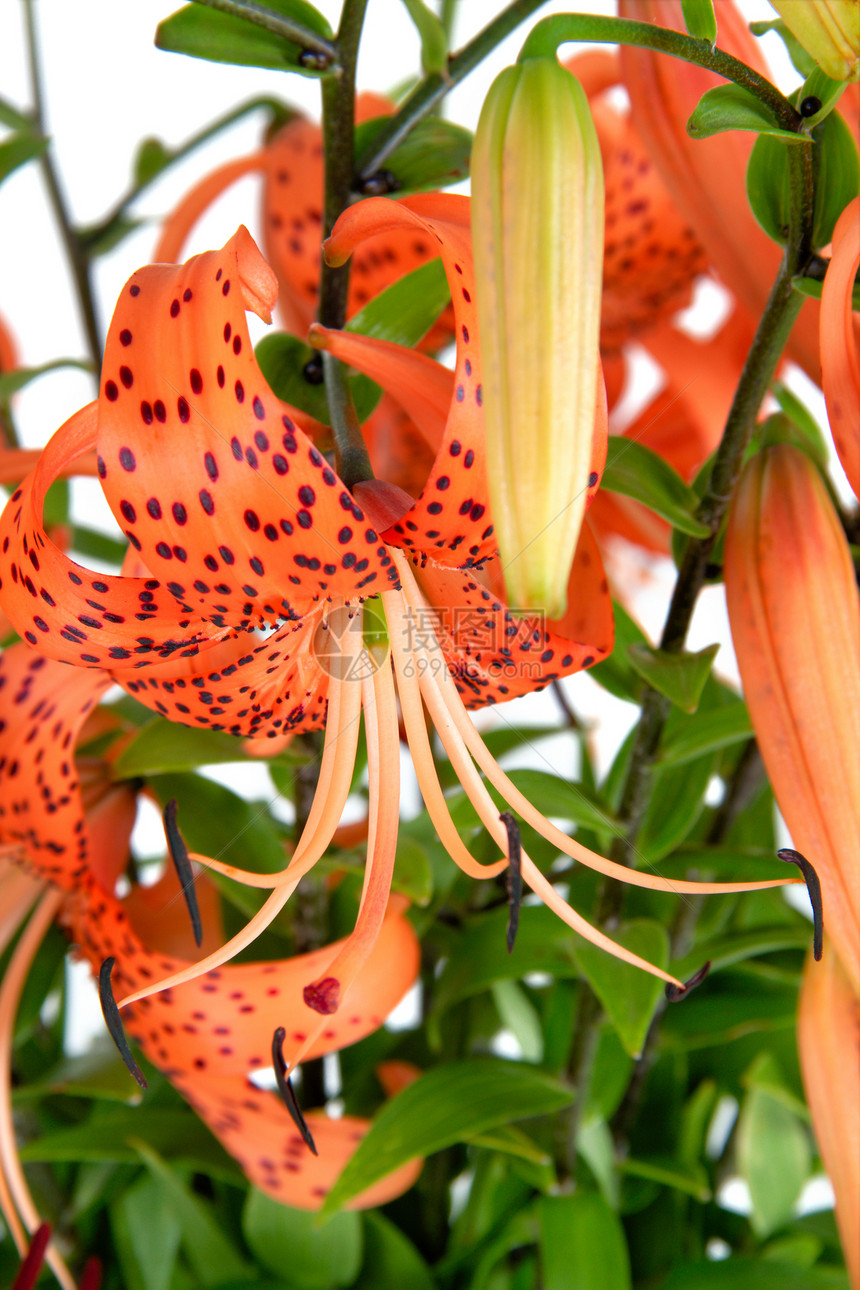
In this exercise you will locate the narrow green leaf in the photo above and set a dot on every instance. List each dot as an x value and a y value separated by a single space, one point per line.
434 41
688 1178
99 239
18 150
597 1149
223 38
813 439
676 802
449 1104
803 62
151 157
163 746
837 181
435 154
739 1273
636 471
629 995
208 1250
511 1141
14 117
700 19
731 107
12 382
726 951
766 1074
582 1244
403 314
774 1158
711 731
316 1257
822 87
812 287
216 822
147 1234
679 677
519 1015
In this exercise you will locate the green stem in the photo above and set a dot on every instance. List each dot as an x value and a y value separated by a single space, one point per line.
97 231
780 313
429 92
543 41
77 256
353 460
296 32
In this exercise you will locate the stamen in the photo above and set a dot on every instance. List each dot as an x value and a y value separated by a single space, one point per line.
182 864
813 886
514 876
28 1273
112 1020
91 1277
676 993
286 1090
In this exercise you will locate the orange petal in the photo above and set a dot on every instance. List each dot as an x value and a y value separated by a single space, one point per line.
795 619
829 1042
840 366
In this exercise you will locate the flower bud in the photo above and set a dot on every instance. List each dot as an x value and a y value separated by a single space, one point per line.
795 620
537 231
829 31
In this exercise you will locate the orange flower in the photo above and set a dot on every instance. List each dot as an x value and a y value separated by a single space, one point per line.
795 620
840 366
829 1039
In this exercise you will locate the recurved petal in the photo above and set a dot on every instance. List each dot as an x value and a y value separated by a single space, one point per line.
41 811
208 474
840 366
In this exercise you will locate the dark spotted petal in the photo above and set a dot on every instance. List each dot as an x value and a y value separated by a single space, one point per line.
44 705
224 496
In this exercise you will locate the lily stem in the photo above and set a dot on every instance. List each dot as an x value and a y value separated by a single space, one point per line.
780 313
429 92
78 259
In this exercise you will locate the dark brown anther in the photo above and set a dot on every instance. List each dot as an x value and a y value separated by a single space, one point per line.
28 1273
313 370
813 886
286 1091
378 184
179 856
675 994
110 1012
514 876
314 60
810 106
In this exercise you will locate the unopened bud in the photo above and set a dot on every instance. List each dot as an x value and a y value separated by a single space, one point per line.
537 231
829 31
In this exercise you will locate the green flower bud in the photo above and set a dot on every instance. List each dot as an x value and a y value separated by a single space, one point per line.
829 30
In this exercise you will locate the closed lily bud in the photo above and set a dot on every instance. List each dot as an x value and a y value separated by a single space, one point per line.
829 31
795 620
829 1040
537 233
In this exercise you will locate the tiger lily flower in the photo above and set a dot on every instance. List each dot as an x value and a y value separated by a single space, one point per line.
251 529
65 850
829 1043
840 366
795 620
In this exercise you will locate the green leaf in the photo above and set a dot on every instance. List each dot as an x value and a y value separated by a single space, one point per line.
162 746
511 1141
14 117
210 1253
99 239
12 382
216 822
822 87
615 673
811 287
838 179
223 38
435 154
629 995
710 732
391 1262
726 951
582 1244
449 1104
679 677
731 107
766 1074
636 471
316 1256
151 158
18 150
147 1235
403 314
812 437
519 1015
700 19
774 1157
688 1178
97 1074
738 1274
676 802
434 41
